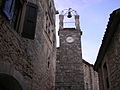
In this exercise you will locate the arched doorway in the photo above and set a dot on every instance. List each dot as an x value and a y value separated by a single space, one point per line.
8 82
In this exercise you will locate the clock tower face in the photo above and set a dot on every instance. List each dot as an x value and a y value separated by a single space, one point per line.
70 39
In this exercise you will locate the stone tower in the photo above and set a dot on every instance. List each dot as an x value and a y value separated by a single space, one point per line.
69 65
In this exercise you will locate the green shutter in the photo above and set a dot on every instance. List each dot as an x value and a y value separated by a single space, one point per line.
30 21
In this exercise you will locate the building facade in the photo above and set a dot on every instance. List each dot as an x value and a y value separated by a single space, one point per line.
69 65
91 81
108 60
27 45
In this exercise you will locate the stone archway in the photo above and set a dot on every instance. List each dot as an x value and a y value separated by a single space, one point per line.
8 82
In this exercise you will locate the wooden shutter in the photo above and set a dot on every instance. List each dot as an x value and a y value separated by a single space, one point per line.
30 21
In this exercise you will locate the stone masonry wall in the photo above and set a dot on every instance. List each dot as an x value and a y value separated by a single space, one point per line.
112 60
69 66
90 77
34 60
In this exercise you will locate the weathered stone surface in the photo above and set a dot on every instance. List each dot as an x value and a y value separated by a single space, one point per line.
109 55
91 81
69 65
27 57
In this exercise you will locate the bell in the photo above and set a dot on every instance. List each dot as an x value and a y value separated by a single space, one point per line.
69 15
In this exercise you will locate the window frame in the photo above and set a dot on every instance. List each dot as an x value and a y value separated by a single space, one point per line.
17 20
18 17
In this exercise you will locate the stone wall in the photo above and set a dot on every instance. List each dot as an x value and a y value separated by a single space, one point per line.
69 65
31 62
108 64
90 77
112 59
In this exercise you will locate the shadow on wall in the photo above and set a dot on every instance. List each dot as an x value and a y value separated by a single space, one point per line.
8 82
10 79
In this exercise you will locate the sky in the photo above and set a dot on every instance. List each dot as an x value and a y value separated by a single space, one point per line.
94 17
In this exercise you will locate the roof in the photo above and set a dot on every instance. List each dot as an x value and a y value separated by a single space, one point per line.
114 20
87 63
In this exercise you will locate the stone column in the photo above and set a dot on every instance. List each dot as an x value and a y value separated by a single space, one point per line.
61 17
77 23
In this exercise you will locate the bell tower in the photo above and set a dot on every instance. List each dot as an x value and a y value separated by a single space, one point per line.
69 65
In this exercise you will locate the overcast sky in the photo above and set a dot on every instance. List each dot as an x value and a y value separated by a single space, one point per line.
94 16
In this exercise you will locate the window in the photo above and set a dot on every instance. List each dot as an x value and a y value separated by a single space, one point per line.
17 15
30 21
12 10
105 70
22 16
48 64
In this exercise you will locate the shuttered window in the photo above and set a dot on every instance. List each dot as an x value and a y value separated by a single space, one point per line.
30 21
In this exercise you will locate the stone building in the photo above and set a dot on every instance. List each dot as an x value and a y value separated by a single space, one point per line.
108 60
27 44
90 77
72 72
69 65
